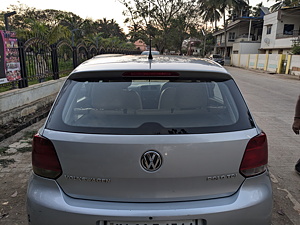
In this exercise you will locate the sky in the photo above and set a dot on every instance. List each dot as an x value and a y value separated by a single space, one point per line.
94 9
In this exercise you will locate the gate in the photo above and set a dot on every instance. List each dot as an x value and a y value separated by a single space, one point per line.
82 53
38 61
64 57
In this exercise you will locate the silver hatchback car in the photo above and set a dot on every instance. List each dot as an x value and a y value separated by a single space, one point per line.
132 141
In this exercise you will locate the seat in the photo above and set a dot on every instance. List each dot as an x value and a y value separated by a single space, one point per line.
184 96
114 96
191 96
167 98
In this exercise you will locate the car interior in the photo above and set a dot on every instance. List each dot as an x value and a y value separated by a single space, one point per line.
132 104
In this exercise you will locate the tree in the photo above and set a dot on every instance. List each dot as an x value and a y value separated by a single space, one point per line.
2 25
214 10
92 39
74 23
108 28
178 33
155 17
50 17
255 11
51 34
53 25
281 3
45 24
239 8
209 10
296 48
223 8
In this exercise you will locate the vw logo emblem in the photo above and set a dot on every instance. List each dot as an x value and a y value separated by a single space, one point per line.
151 161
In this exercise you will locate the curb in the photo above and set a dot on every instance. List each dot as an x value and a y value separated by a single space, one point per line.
279 75
27 123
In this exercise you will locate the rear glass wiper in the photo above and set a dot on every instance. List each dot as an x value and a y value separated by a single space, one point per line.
177 131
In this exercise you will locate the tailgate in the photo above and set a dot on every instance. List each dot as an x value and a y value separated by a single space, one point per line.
182 167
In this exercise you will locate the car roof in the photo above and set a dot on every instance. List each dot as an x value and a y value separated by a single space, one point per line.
153 52
119 62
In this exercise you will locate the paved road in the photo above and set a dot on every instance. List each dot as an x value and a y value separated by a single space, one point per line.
272 100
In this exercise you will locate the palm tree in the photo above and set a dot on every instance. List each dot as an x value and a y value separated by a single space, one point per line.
214 10
225 6
74 23
209 10
104 27
71 20
51 34
110 28
255 11
57 33
115 30
281 3
94 39
90 27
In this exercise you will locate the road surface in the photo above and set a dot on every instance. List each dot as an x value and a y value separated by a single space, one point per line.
272 100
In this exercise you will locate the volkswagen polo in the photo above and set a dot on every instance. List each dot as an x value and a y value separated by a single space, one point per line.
137 141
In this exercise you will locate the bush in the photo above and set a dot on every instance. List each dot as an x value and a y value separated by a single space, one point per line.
296 49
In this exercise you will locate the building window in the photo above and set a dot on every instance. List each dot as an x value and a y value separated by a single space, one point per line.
231 36
288 29
219 39
269 29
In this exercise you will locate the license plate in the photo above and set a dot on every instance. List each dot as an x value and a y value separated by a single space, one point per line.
178 222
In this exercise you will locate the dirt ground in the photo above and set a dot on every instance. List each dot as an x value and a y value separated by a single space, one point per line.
15 169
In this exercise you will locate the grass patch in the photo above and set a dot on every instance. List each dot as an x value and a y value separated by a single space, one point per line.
8 86
4 89
24 149
2 150
29 134
6 162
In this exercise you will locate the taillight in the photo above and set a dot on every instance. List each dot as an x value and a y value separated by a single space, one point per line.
45 162
256 156
150 74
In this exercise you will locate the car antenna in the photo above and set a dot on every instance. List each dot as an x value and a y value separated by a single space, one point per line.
150 41
150 54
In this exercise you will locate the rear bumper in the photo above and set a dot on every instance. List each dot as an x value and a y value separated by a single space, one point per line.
47 204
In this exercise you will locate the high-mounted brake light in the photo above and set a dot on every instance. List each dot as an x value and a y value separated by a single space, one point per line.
150 74
255 158
45 162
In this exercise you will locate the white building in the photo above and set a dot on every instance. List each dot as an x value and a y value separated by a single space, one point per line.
280 30
243 36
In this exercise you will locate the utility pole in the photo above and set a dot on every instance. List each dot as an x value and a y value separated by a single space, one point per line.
74 49
6 15
204 42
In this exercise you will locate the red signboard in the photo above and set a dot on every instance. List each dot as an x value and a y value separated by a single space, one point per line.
9 57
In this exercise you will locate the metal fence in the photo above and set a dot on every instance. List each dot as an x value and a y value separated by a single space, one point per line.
40 61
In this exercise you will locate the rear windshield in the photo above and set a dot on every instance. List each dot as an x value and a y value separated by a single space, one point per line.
149 107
